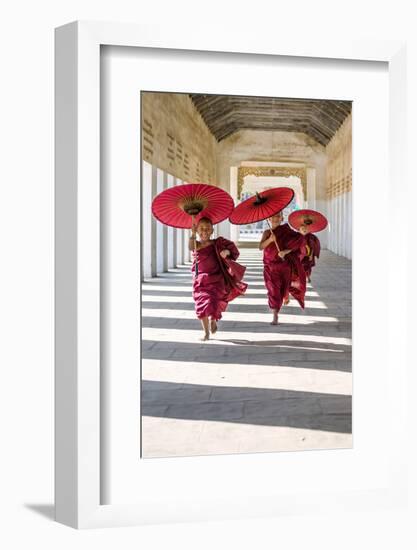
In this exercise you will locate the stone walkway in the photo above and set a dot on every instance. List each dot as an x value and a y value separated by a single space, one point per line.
253 387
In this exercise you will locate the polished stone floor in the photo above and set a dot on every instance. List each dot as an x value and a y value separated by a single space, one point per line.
253 387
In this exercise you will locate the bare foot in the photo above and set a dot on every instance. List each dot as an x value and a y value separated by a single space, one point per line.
205 337
286 301
213 326
274 319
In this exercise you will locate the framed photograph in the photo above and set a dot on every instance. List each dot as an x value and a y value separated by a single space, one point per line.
164 413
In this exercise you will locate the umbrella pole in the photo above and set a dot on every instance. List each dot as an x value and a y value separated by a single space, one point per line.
270 227
195 251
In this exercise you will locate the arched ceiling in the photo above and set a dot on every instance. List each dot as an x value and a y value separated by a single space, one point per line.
317 118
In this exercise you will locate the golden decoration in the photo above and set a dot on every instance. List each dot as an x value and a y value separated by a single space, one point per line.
271 171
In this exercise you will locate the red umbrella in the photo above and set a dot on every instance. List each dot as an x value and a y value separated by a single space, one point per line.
262 206
182 205
312 220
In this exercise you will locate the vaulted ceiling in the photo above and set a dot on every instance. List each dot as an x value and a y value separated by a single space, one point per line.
317 118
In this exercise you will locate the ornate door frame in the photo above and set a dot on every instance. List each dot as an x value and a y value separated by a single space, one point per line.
271 171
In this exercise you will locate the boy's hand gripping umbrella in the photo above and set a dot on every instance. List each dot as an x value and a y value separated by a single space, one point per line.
182 206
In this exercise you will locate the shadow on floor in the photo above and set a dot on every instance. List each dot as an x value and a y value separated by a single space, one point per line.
187 292
240 308
341 327
288 353
243 405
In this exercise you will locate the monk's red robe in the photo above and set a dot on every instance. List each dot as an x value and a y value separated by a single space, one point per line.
312 252
219 280
284 276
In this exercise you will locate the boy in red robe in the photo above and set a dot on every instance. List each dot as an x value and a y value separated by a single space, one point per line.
283 271
217 278
312 250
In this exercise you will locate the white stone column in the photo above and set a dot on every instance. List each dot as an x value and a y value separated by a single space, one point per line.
223 228
349 224
153 224
171 232
146 241
339 215
328 210
322 204
165 229
325 208
159 227
337 224
311 188
339 221
185 236
234 229
179 237
343 236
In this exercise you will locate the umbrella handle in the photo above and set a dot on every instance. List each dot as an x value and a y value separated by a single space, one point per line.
270 227
195 250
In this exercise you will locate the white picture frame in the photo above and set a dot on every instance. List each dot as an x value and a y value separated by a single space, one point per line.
78 265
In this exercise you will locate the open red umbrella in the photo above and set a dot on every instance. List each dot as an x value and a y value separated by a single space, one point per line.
182 205
311 219
262 206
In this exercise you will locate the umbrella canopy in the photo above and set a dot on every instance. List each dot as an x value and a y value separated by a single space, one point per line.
262 206
312 220
178 205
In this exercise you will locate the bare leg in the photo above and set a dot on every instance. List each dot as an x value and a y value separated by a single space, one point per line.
286 300
275 317
213 326
205 325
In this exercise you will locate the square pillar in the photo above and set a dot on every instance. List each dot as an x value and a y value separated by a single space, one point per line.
146 229
171 233
179 238
153 225
160 239
234 229
165 230
311 188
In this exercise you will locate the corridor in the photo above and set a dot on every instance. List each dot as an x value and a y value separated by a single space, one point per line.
253 387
